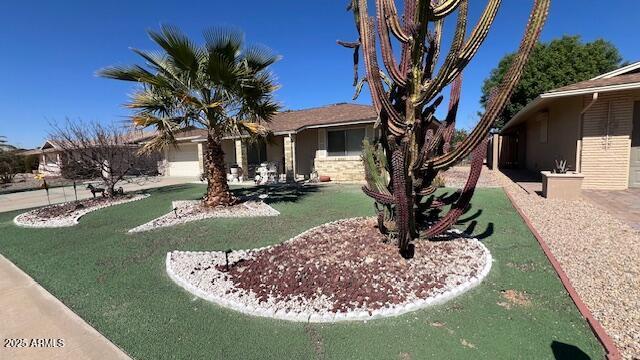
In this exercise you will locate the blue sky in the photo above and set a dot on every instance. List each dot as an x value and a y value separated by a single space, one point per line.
51 50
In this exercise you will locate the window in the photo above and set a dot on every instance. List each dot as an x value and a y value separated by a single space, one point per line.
257 152
50 159
345 142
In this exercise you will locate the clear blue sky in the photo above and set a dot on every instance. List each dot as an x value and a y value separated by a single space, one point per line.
51 50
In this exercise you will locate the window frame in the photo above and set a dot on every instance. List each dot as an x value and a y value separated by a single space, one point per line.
346 150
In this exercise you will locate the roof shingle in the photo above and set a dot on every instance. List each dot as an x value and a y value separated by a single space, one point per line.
597 83
295 120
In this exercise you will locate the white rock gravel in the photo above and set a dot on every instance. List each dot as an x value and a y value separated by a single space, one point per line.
32 220
190 210
216 286
599 253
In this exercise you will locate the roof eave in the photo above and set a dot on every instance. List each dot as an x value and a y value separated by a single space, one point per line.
515 120
620 71
558 94
591 90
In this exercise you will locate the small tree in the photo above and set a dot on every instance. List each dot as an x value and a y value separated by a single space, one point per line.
92 150
10 165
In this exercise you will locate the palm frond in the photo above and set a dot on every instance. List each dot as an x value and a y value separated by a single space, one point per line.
182 52
135 73
216 85
260 57
224 41
148 101
222 71
253 129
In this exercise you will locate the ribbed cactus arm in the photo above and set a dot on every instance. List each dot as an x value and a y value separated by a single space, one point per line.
394 22
385 46
435 85
445 8
499 101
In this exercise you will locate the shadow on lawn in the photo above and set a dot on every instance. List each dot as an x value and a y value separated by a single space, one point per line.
167 189
278 193
469 217
562 351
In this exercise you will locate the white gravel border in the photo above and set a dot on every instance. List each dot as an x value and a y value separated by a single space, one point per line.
327 317
24 220
251 209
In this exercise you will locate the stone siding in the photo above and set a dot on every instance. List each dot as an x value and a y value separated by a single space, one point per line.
341 168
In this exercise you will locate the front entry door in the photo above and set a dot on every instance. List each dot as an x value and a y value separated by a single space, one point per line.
634 164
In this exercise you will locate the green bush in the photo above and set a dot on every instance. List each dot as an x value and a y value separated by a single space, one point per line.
10 165
30 163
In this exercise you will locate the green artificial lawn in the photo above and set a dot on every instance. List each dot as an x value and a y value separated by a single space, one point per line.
117 283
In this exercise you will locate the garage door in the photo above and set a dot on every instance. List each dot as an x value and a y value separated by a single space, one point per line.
183 161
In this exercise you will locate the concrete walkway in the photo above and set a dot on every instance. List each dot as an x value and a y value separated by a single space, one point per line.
34 198
623 204
37 323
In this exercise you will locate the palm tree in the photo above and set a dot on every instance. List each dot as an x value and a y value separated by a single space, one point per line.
220 86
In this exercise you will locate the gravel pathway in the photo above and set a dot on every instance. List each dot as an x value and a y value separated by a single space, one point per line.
338 271
191 210
456 177
599 253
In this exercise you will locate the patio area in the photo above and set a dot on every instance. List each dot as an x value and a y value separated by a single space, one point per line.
625 204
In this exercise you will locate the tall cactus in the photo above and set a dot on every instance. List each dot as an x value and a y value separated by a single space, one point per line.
408 153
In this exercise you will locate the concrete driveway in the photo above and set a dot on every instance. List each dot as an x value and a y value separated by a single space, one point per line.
34 198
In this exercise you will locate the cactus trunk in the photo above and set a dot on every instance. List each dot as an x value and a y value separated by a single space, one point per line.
412 146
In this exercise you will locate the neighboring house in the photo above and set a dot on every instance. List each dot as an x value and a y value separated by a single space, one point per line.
327 140
594 125
51 156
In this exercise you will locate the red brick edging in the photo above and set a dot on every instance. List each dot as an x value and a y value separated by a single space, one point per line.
610 348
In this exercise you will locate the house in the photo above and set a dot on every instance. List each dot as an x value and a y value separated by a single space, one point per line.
594 125
51 155
327 140
49 158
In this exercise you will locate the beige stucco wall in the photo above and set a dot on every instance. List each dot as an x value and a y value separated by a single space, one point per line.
339 168
606 140
563 127
229 148
306 147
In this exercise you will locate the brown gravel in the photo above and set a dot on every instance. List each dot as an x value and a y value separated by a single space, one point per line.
456 177
349 263
65 209
599 253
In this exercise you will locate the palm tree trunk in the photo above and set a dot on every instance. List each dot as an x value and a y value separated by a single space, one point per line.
218 193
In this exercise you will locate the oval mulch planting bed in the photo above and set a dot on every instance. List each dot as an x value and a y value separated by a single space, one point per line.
337 271
67 214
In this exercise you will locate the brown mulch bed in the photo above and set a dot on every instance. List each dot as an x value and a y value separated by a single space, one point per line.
350 263
55 211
